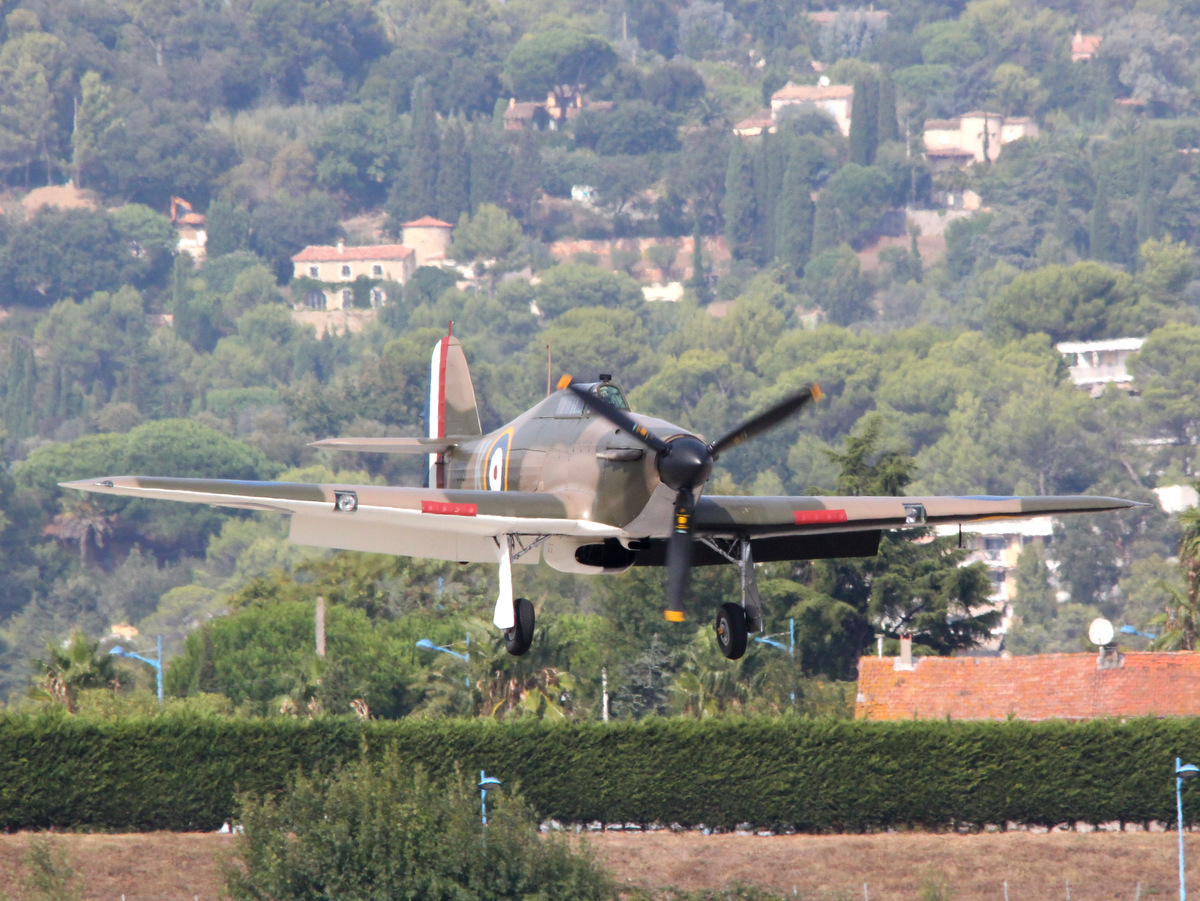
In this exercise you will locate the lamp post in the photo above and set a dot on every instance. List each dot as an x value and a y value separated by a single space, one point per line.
119 651
428 645
486 784
790 647
1183 771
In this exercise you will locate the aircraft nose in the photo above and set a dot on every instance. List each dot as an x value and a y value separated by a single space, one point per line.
686 463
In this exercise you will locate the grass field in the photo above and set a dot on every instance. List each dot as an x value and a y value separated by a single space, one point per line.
1093 867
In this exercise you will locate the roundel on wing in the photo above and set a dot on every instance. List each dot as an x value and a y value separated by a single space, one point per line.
497 464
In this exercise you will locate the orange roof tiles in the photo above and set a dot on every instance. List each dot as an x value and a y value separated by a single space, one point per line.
1048 686
427 222
813 92
325 253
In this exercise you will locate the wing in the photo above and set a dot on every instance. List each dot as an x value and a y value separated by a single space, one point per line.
388 445
412 522
814 528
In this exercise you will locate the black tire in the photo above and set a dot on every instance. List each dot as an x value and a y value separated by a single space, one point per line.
518 639
731 630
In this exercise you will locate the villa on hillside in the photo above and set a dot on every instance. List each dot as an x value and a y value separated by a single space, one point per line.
973 137
331 271
834 100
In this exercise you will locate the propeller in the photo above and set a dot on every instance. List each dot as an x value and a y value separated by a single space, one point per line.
684 463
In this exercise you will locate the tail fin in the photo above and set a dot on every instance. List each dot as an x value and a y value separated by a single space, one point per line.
452 407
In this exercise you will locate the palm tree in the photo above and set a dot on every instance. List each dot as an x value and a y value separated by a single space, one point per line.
68 669
1181 620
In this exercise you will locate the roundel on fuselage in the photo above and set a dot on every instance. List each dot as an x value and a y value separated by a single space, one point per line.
497 463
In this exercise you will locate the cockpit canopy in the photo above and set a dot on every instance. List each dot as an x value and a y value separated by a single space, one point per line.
569 404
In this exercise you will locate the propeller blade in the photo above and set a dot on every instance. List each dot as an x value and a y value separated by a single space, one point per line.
679 555
621 420
770 418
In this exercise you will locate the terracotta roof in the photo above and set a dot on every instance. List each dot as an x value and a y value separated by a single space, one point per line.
943 124
523 110
828 16
427 222
761 119
325 253
813 92
1084 46
1048 686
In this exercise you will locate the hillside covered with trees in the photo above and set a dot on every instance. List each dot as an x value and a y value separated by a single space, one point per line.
302 122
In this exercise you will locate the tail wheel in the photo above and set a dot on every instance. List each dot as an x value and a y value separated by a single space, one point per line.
518 639
731 630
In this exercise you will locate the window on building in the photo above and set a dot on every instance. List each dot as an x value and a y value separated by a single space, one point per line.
316 300
994 543
347 298
377 297
314 271
377 271
345 272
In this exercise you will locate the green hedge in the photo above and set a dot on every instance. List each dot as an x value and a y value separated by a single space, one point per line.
183 773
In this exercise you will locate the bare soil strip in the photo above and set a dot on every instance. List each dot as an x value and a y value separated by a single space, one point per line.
1099 867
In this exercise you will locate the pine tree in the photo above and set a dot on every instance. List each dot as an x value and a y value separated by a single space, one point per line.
740 212
421 173
453 181
1147 208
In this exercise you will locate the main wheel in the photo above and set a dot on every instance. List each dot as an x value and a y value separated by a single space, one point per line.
731 630
518 639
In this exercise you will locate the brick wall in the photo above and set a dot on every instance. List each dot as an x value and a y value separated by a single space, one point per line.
1049 686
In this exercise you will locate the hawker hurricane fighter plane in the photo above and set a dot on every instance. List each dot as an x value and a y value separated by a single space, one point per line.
587 486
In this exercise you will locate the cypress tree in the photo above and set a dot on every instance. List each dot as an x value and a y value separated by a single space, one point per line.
1102 243
421 173
864 124
825 225
19 413
490 167
794 237
740 214
526 174
1147 211
453 179
888 128
699 282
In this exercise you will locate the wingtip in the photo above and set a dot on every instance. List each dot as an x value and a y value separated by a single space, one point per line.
673 616
817 393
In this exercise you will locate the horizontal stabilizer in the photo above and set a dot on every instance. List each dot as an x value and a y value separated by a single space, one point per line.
388 445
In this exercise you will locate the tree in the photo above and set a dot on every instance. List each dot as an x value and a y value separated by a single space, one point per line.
66 670
741 216
794 225
491 237
864 121
1181 622
1081 302
421 174
916 587
380 827
558 61
836 283
578 285
95 119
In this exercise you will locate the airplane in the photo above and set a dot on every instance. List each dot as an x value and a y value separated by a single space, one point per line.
584 484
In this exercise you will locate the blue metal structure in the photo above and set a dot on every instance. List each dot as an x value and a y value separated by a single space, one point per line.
486 784
1183 771
119 651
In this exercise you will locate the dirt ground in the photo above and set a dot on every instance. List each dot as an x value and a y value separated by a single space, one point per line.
1093 867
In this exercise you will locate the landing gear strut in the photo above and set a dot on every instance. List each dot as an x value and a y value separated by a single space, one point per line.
736 621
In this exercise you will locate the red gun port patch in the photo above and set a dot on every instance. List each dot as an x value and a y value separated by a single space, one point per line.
444 509
819 517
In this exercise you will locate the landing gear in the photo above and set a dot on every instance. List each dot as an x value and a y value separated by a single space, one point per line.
518 639
731 630
736 621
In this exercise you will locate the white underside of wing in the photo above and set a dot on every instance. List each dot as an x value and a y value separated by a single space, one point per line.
399 530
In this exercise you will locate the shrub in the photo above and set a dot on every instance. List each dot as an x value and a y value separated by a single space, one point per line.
385 830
